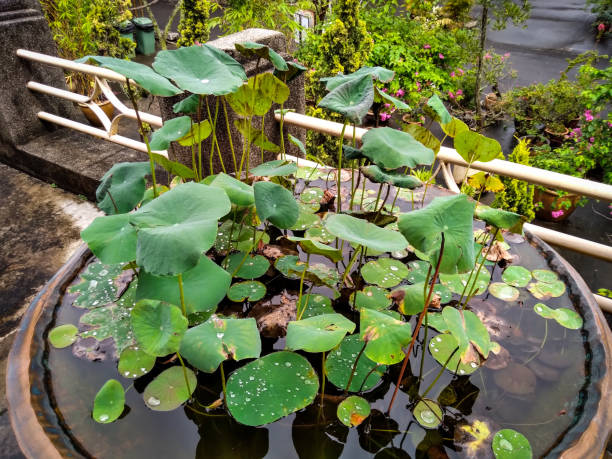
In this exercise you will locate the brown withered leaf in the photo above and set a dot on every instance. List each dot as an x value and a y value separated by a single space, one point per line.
435 301
497 253
328 197
498 360
273 315
274 251
122 281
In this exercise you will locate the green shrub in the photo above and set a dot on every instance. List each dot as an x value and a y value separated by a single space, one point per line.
194 26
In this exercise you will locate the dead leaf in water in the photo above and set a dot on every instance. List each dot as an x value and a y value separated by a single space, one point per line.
273 315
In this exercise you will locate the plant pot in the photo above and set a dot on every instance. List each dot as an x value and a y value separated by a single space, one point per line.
50 392
492 102
551 202
93 119
556 138
536 140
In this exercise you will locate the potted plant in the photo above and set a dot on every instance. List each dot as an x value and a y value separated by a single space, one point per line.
256 300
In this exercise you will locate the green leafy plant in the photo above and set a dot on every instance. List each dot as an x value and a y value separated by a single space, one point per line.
194 26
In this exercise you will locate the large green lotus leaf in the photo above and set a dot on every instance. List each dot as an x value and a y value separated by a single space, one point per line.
177 227
275 204
436 104
510 444
384 272
455 127
314 247
257 50
445 346
476 147
371 297
238 192
158 327
397 103
418 271
386 337
428 413
423 135
315 305
246 266
204 286
134 363
170 389
451 215
339 365
517 276
270 388
352 99
278 167
291 266
377 175
201 69
171 130
293 71
457 282
353 410
319 233
219 339
63 335
391 149
436 321
366 234
312 195
466 328
498 217
377 73
112 239
247 290
257 96
188 106
318 333
109 402
143 75
172 167
306 220
112 321
122 187
350 153
196 134
97 287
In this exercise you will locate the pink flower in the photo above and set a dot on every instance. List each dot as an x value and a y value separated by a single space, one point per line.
592 140
460 71
441 56
459 92
416 73
384 116
487 56
557 213
601 27
507 55
384 89
609 124
387 105
452 74
418 85
588 115
426 46
400 93
451 95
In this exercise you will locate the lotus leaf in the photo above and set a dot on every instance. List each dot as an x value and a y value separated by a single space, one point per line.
122 187
349 153
238 192
468 330
172 167
171 130
97 287
423 135
365 234
472 146
196 134
278 167
201 69
257 50
499 218
315 305
188 106
417 271
545 290
170 389
257 96
319 333
294 70
454 127
377 73
314 247
510 444
371 297
158 327
275 204
503 291
353 410
112 239
385 336
442 347
377 175
134 362
412 301
311 173
352 99
339 365
544 275
109 402
565 317
428 413
63 335
270 388
384 272
256 136
436 104
306 220
457 282
247 290
436 321
391 149
254 266
319 233
311 195
517 276
453 216
397 103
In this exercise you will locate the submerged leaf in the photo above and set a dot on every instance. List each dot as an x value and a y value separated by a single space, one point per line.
428 413
247 290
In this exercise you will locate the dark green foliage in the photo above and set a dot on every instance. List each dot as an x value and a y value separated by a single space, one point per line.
193 26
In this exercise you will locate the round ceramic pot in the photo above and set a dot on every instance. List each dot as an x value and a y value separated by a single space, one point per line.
550 204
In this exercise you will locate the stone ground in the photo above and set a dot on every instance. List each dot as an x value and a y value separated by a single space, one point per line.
41 224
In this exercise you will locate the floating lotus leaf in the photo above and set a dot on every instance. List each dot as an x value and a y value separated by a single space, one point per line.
384 272
352 99
306 220
339 365
436 104
219 339
311 173
436 321
294 70
397 103
544 275
97 287
311 195
254 266
275 204
134 362
377 175
472 146
158 327
188 106
257 50
247 290
122 187
318 333
544 311
417 271
291 266
170 389
391 149
510 444
143 75
454 127
412 299
319 233
177 227
315 305
386 337
428 413
544 290
278 167
453 216
503 291
517 276
371 297
423 135
365 234
270 388
201 69
109 402
238 192
314 247
445 345
565 317
377 73
63 335
457 282
171 130
245 240
203 286
468 330
112 239
353 410
499 218
196 134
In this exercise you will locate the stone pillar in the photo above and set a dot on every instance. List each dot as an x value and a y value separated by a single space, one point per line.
22 25
296 101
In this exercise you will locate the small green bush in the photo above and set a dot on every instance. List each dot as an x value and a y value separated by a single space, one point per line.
194 26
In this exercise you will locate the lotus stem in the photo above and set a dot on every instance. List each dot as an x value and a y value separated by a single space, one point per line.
229 136
351 261
426 321
215 142
354 142
541 345
367 376
380 187
182 294
263 124
282 133
383 203
223 383
339 171
185 374
471 274
433 383
350 380
418 326
395 199
322 378
113 201
302 285
200 177
474 288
